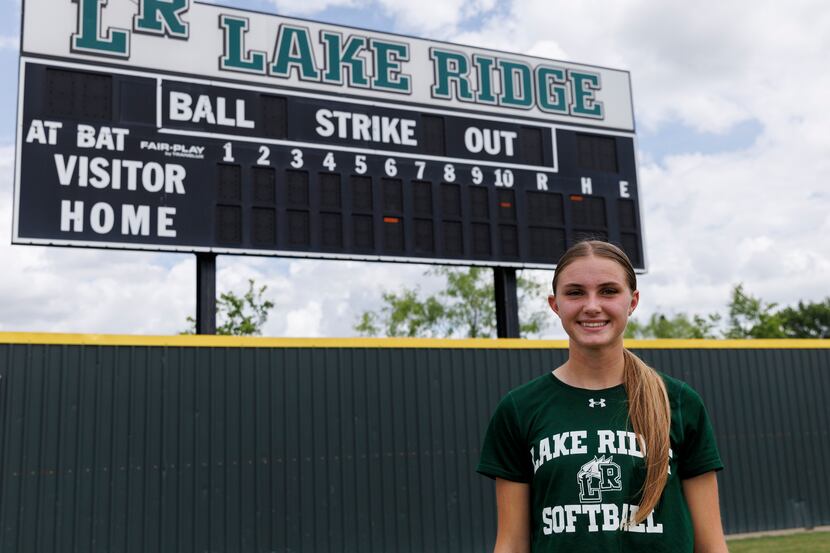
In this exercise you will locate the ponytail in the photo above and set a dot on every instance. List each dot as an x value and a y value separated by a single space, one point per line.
650 416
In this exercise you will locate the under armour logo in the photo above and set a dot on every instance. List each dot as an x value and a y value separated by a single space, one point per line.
593 403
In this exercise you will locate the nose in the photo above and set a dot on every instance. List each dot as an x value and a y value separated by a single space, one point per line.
592 304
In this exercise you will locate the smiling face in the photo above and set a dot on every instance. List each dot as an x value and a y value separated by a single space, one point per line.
593 300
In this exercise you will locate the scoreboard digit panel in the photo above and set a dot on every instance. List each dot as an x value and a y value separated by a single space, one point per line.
126 159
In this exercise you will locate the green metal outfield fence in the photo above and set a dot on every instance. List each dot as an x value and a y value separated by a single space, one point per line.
197 444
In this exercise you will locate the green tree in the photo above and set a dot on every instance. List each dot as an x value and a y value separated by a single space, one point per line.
470 301
466 306
532 319
404 314
808 320
751 317
676 326
240 315
748 317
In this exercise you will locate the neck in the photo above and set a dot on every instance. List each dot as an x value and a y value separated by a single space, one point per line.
593 369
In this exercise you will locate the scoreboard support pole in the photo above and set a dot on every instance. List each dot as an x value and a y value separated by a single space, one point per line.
205 293
507 303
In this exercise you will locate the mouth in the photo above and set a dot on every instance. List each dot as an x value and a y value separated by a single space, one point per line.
593 324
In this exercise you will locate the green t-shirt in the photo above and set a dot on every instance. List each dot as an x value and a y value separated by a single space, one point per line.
585 467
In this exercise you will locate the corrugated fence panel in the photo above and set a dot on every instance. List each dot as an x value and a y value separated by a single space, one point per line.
772 422
128 449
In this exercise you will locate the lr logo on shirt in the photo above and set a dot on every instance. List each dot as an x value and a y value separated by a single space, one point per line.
597 476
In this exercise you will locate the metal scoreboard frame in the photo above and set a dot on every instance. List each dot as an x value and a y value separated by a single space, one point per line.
179 126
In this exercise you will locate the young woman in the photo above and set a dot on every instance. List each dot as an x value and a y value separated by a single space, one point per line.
603 454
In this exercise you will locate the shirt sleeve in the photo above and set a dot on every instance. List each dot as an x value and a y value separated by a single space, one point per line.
699 451
504 453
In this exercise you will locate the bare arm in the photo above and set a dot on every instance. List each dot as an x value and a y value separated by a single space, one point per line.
513 502
702 497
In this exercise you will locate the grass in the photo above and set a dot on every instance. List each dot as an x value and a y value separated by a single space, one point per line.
800 542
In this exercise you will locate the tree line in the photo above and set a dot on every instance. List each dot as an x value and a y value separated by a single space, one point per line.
465 308
746 317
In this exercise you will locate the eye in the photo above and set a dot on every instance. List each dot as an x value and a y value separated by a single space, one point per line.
609 291
573 293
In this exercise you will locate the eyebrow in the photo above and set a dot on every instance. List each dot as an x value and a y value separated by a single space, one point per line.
577 285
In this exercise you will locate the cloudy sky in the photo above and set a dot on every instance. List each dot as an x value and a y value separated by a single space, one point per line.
731 102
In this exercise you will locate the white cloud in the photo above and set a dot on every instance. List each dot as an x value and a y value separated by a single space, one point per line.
750 217
334 293
9 42
89 291
547 49
705 64
757 215
304 321
426 16
308 7
430 18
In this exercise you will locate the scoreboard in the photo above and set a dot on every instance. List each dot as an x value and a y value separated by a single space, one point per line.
410 151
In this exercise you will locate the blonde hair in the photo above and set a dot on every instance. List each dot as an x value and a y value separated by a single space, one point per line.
648 403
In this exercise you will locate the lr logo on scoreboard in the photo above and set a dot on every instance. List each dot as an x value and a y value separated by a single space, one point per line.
597 476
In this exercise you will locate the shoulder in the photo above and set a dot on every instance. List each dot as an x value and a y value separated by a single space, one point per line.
532 387
526 399
680 392
685 403
692 435
527 392
688 412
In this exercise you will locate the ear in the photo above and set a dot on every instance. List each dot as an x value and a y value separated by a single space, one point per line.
635 300
553 304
